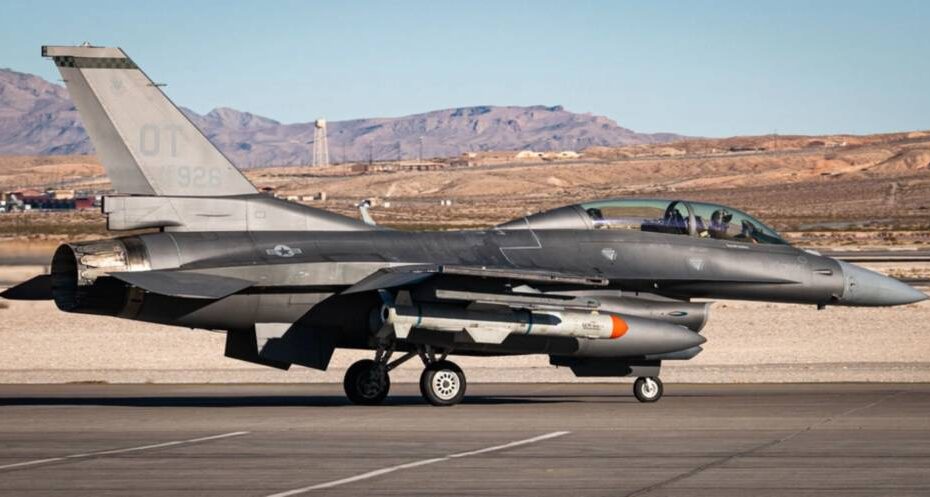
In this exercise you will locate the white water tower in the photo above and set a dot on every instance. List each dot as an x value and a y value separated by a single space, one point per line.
320 145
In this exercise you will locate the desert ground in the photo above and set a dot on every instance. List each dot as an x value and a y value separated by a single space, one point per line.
746 343
837 192
855 191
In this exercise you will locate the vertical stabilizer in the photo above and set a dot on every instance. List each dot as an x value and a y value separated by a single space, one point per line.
146 144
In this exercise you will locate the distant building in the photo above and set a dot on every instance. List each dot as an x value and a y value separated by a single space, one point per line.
391 167
49 200
315 197
528 154
60 194
29 194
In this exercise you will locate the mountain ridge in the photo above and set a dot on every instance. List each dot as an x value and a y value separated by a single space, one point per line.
38 118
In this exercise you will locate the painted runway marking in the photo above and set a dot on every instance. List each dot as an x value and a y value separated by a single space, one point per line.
415 464
123 451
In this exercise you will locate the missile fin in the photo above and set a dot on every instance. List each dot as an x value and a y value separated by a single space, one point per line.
403 298
386 331
488 335
401 330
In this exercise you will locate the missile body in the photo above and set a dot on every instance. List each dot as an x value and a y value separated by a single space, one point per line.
633 334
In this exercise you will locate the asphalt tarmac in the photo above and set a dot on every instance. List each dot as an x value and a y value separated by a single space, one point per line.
513 439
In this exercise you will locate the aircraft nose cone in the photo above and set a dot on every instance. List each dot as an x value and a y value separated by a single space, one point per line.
868 288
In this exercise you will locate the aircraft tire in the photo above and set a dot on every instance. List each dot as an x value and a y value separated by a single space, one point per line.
647 389
442 383
366 383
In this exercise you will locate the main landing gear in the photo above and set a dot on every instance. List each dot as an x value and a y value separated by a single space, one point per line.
442 382
647 389
367 383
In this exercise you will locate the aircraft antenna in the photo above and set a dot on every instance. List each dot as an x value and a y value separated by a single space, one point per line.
320 145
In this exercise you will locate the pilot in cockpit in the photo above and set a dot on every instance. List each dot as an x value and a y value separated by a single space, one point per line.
720 224
597 216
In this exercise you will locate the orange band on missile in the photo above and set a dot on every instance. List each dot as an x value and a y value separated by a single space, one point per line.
619 327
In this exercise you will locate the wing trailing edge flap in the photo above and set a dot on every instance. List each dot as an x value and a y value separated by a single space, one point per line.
184 284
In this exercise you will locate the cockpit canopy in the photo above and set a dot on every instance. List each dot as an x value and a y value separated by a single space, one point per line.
680 217
675 217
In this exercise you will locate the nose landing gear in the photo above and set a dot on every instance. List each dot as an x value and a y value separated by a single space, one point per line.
647 389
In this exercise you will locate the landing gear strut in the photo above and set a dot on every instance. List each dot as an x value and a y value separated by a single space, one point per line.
647 389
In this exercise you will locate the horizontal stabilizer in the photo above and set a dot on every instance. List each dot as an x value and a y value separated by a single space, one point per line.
38 288
184 284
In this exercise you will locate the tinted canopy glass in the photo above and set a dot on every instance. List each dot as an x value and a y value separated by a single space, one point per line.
679 217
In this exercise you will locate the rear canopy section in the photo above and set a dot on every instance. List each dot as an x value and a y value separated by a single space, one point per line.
146 144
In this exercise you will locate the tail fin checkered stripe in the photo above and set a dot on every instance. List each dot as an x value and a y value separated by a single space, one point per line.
94 62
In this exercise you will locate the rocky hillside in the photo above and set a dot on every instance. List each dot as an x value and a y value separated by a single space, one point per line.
36 117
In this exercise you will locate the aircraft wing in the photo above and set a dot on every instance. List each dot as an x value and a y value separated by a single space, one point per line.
401 276
184 284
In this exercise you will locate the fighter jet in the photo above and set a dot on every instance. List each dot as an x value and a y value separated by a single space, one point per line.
607 289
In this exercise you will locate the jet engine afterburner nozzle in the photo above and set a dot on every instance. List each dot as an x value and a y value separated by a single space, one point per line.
79 271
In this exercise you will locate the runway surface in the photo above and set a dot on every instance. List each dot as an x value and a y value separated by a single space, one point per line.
507 439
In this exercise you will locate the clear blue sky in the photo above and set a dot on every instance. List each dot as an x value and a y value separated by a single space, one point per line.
709 68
